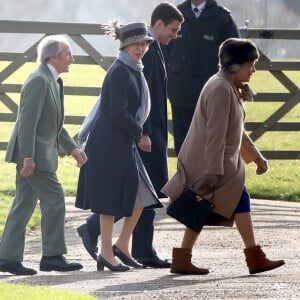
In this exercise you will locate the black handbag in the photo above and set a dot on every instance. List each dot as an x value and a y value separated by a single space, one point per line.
190 209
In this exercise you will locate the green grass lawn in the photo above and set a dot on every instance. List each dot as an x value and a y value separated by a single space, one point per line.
10 291
280 183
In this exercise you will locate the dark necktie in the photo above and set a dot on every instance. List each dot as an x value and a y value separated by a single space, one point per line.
61 95
197 12
61 88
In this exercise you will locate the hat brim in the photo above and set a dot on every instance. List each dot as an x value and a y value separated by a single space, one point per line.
136 39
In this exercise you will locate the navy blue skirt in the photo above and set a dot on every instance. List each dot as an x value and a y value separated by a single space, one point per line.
244 203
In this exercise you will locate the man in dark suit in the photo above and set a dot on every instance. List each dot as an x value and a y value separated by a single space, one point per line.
33 146
166 21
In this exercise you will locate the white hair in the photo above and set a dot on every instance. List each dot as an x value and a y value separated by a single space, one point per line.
50 46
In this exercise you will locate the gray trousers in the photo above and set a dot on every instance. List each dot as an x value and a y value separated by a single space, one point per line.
45 187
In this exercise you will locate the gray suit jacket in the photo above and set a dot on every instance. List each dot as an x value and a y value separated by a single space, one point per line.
39 131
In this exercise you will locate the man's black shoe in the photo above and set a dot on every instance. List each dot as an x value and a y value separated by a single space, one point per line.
15 267
154 262
58 263
89 244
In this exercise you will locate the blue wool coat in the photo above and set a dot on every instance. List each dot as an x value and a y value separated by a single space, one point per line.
108 182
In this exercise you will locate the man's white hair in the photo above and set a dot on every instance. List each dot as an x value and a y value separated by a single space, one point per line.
50 46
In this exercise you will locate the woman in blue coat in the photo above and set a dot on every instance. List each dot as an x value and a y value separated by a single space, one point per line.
114 182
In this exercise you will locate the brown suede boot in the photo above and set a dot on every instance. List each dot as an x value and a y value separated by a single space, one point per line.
181 263
257 261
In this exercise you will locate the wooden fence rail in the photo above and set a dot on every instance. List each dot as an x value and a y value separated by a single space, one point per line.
77 32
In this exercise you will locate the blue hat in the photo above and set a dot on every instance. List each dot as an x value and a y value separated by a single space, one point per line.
133 33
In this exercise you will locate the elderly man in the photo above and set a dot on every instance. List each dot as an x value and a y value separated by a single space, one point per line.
34 147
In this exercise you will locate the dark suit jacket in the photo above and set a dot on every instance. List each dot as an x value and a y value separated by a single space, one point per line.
156 124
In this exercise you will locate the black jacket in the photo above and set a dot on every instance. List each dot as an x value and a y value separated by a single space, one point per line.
193 57
156 125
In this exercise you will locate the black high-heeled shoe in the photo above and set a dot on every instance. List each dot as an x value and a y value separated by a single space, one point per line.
125 259
102 262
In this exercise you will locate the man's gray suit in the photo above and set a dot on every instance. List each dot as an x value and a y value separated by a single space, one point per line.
37 134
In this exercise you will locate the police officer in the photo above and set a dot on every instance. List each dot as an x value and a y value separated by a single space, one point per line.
193 57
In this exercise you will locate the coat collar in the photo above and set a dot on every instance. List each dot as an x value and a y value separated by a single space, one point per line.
230 79
44 68
54 90
156 46
243 91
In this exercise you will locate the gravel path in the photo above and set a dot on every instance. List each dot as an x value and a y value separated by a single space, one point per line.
220 249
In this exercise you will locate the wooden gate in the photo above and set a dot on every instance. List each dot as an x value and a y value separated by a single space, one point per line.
290 99
77 33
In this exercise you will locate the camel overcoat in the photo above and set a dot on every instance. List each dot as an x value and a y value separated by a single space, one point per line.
216 143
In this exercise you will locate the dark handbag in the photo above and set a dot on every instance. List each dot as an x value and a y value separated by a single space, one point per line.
190 209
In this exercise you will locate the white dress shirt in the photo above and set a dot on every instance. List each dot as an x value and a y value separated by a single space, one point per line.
197 10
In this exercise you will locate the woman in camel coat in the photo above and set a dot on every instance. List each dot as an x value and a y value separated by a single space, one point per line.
211 160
